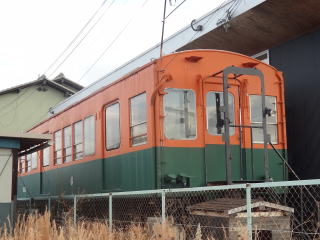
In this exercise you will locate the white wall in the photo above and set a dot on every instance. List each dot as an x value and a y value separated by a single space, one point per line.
5 175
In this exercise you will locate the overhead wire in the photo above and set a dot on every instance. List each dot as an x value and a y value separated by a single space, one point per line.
77 36
112 42
196 33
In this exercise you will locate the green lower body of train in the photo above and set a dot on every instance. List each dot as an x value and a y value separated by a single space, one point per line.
158 167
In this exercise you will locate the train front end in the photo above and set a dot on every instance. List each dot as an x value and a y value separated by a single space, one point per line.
221 120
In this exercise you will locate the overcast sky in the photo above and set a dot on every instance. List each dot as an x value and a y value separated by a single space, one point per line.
35 32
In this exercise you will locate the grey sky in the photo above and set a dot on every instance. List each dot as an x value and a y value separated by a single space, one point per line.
34 33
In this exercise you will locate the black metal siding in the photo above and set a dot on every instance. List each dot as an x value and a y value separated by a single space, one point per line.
299 60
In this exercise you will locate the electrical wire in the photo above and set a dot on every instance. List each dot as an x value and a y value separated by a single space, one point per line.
113 41
175 9
76 37
196 33
81 40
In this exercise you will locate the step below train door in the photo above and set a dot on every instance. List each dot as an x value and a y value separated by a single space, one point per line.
215 160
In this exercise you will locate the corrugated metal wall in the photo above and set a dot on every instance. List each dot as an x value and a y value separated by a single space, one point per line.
299 60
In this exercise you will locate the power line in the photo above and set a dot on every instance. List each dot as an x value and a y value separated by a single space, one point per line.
77 36
110 45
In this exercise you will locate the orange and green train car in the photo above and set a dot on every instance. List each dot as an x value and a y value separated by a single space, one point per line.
164 125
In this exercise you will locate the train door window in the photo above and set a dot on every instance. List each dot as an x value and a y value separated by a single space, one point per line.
215 115
58 147
46 157
78 140
34 160
256 118
180 114
22 164
113 126
67 148
138 120
89 135
28 158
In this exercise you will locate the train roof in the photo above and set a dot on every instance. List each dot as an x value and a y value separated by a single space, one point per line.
247 27
171 44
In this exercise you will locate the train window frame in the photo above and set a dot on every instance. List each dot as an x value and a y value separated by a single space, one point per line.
55 150
28 163
195 112
44 164
22 164
256 123
106 124
132 126
74 143
89 151
34 160
67 157
232 129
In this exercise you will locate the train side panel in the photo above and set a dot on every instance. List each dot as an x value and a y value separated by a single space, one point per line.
125 168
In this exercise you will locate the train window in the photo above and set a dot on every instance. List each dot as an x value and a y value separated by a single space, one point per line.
46 157
34 160
78 140
180 114
67 148
215 116
138 120
89 135
22 164
256 118
113 126
58 147
28 158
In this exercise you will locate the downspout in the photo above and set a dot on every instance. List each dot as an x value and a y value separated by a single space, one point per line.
204 113
163 80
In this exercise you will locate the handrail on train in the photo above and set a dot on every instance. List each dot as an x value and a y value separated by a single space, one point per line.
239 71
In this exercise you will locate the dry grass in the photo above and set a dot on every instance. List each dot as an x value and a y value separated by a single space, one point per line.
39 227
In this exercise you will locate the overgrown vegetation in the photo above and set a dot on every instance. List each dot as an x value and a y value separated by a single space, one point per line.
40 227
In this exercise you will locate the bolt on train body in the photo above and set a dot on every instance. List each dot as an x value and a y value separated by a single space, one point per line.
189 119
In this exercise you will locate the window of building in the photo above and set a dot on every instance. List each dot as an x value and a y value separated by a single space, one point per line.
89 135
138 120
46 157
113 126
58 147
78 140
67 148
215 114
180 114
34 160
262 56
28 158
256 118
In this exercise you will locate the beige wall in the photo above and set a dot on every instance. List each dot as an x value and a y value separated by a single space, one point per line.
20 111
5 175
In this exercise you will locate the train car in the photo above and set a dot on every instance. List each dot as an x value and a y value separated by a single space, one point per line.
189 119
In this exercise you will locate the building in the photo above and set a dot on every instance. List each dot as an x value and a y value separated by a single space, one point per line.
285 34
10 147
24 105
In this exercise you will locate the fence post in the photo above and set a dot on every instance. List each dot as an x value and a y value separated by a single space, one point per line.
163 206
49 204
110 212
249 213
75 209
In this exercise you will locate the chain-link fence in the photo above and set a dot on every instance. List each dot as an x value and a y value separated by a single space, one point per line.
271 210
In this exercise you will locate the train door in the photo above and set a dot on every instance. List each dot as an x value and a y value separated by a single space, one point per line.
215 159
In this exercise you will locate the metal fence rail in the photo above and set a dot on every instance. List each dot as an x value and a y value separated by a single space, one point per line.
271 210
